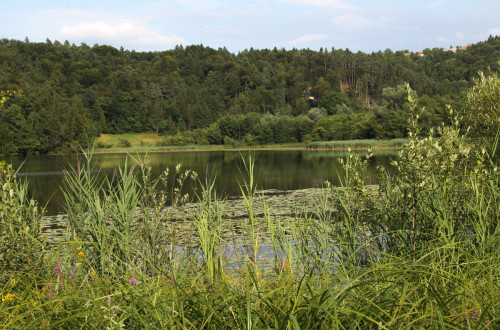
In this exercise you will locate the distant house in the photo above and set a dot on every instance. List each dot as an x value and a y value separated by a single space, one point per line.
420 53
455 49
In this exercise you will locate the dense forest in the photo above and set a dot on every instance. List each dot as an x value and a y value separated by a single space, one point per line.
68 94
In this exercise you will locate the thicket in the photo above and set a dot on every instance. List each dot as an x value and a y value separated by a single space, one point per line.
420 253
71 94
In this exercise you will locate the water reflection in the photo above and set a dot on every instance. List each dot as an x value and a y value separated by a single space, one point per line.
274 169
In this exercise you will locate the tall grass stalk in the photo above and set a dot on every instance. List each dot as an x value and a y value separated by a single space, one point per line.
248 190
208 222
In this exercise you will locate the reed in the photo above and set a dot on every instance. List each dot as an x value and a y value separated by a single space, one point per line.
357 144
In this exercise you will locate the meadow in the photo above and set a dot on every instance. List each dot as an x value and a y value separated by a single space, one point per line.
419 252
151 142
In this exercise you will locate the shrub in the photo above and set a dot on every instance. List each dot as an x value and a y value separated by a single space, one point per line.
102 145
124 143
20 223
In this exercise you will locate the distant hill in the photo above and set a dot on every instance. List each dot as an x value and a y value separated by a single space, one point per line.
71 94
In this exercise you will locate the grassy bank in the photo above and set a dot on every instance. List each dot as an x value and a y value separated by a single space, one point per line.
198 148
132 139
358 144
140 142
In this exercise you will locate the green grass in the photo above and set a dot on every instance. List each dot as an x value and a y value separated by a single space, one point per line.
357 144
133 149
135 139
150 142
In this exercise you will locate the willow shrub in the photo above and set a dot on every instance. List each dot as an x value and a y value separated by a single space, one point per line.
429 237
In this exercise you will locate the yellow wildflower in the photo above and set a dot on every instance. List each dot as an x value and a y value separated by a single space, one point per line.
8 297
80 255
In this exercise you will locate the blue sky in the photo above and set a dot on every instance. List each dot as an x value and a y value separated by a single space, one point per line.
159 25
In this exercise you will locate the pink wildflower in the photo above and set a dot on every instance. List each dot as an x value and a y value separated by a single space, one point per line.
58 269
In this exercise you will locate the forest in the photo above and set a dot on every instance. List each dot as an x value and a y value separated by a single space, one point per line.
63 95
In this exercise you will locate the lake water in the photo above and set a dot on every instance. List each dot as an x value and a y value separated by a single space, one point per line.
274 169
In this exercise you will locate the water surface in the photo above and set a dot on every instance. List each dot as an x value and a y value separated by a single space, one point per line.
274 169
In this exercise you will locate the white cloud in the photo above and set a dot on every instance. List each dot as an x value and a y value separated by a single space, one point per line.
329 4
125 33
351 22
307 39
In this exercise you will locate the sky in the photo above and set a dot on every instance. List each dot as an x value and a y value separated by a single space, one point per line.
148 25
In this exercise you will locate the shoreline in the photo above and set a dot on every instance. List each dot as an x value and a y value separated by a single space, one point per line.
132 150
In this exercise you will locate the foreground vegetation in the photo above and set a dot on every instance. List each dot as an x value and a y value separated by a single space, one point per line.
421 253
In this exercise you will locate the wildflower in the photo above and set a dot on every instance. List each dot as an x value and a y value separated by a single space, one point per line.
58 269
8 297
80 255
52 294
133 282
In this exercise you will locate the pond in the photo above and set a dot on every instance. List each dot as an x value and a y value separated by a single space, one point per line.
274 169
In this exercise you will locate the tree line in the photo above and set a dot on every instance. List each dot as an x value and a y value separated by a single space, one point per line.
70 94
